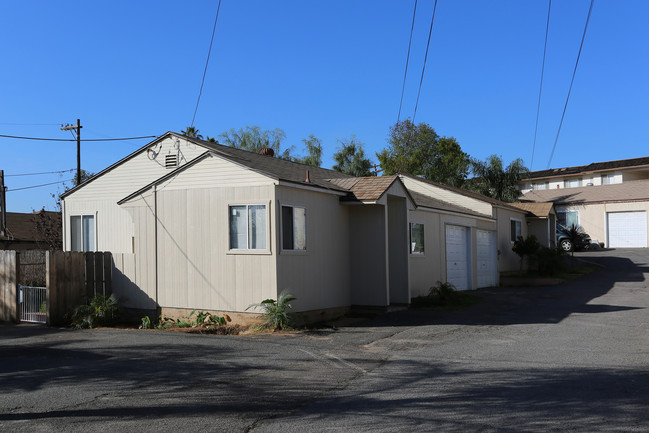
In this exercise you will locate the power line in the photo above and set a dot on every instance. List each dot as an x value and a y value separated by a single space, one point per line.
423 69
30 124
67 139
44 172
574 72
207 62
403 88
38 186
538 107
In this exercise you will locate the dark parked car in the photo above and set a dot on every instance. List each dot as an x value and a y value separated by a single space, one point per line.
573 238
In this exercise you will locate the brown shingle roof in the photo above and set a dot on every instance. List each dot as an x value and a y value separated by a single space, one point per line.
540 210
422 200
369 188
275 167
20 226
628 191
595 166
461 191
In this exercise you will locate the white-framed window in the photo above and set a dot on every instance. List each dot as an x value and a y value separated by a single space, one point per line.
568 217
516 229
572 183
538 186
82 233
608 179
248 227
417 239
293 228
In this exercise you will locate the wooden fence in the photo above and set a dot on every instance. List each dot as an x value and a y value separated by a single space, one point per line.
9 274
72 278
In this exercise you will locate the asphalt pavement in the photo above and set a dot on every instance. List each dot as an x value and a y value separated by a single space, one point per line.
571 357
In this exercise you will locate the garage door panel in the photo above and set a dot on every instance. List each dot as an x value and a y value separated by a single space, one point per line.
627 229
457 257
487 258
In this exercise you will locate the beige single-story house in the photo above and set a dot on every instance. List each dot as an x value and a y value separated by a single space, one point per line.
197 225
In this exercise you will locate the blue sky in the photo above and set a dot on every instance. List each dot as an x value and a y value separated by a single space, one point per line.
329 68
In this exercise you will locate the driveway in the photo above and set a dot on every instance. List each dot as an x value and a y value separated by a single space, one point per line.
565 358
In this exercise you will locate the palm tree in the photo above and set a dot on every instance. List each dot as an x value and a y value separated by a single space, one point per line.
191 132
492 180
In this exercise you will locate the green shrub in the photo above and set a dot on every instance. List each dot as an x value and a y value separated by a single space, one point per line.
146 323
441 293
206 319
444 296
550 261
275 311
101 311
526 247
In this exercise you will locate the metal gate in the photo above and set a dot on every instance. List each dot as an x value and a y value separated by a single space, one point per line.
33 304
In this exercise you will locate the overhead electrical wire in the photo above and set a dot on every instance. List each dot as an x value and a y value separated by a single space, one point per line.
38 186
574 72
70 139
44 172
403 88
538 107
423 69
207 62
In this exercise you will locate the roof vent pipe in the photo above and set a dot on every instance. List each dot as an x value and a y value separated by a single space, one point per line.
267 151
308 179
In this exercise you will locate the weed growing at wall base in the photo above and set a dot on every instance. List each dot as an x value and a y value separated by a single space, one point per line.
275 312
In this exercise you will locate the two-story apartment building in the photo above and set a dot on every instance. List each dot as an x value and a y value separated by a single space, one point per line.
608 199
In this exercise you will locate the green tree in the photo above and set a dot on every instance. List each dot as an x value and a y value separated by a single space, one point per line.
350 158
418 150
191 132
85 175
494 180
313 147
253 139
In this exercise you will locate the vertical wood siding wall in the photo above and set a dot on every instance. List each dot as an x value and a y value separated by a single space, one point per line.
114 227
320 276
9 265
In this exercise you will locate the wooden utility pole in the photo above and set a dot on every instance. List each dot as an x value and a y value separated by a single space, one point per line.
3 203
78 129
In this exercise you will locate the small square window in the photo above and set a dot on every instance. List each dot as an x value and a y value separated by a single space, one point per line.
416 238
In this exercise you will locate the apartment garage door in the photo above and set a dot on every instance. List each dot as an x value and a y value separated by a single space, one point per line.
457 257
487 258
627 229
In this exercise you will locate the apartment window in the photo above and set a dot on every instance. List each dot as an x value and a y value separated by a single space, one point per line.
540 186
608 179
82 232
516 229
248 227
416 238
293 228
572 183
568 218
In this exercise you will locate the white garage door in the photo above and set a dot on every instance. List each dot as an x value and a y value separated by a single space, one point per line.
457 257
487 258
627 229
